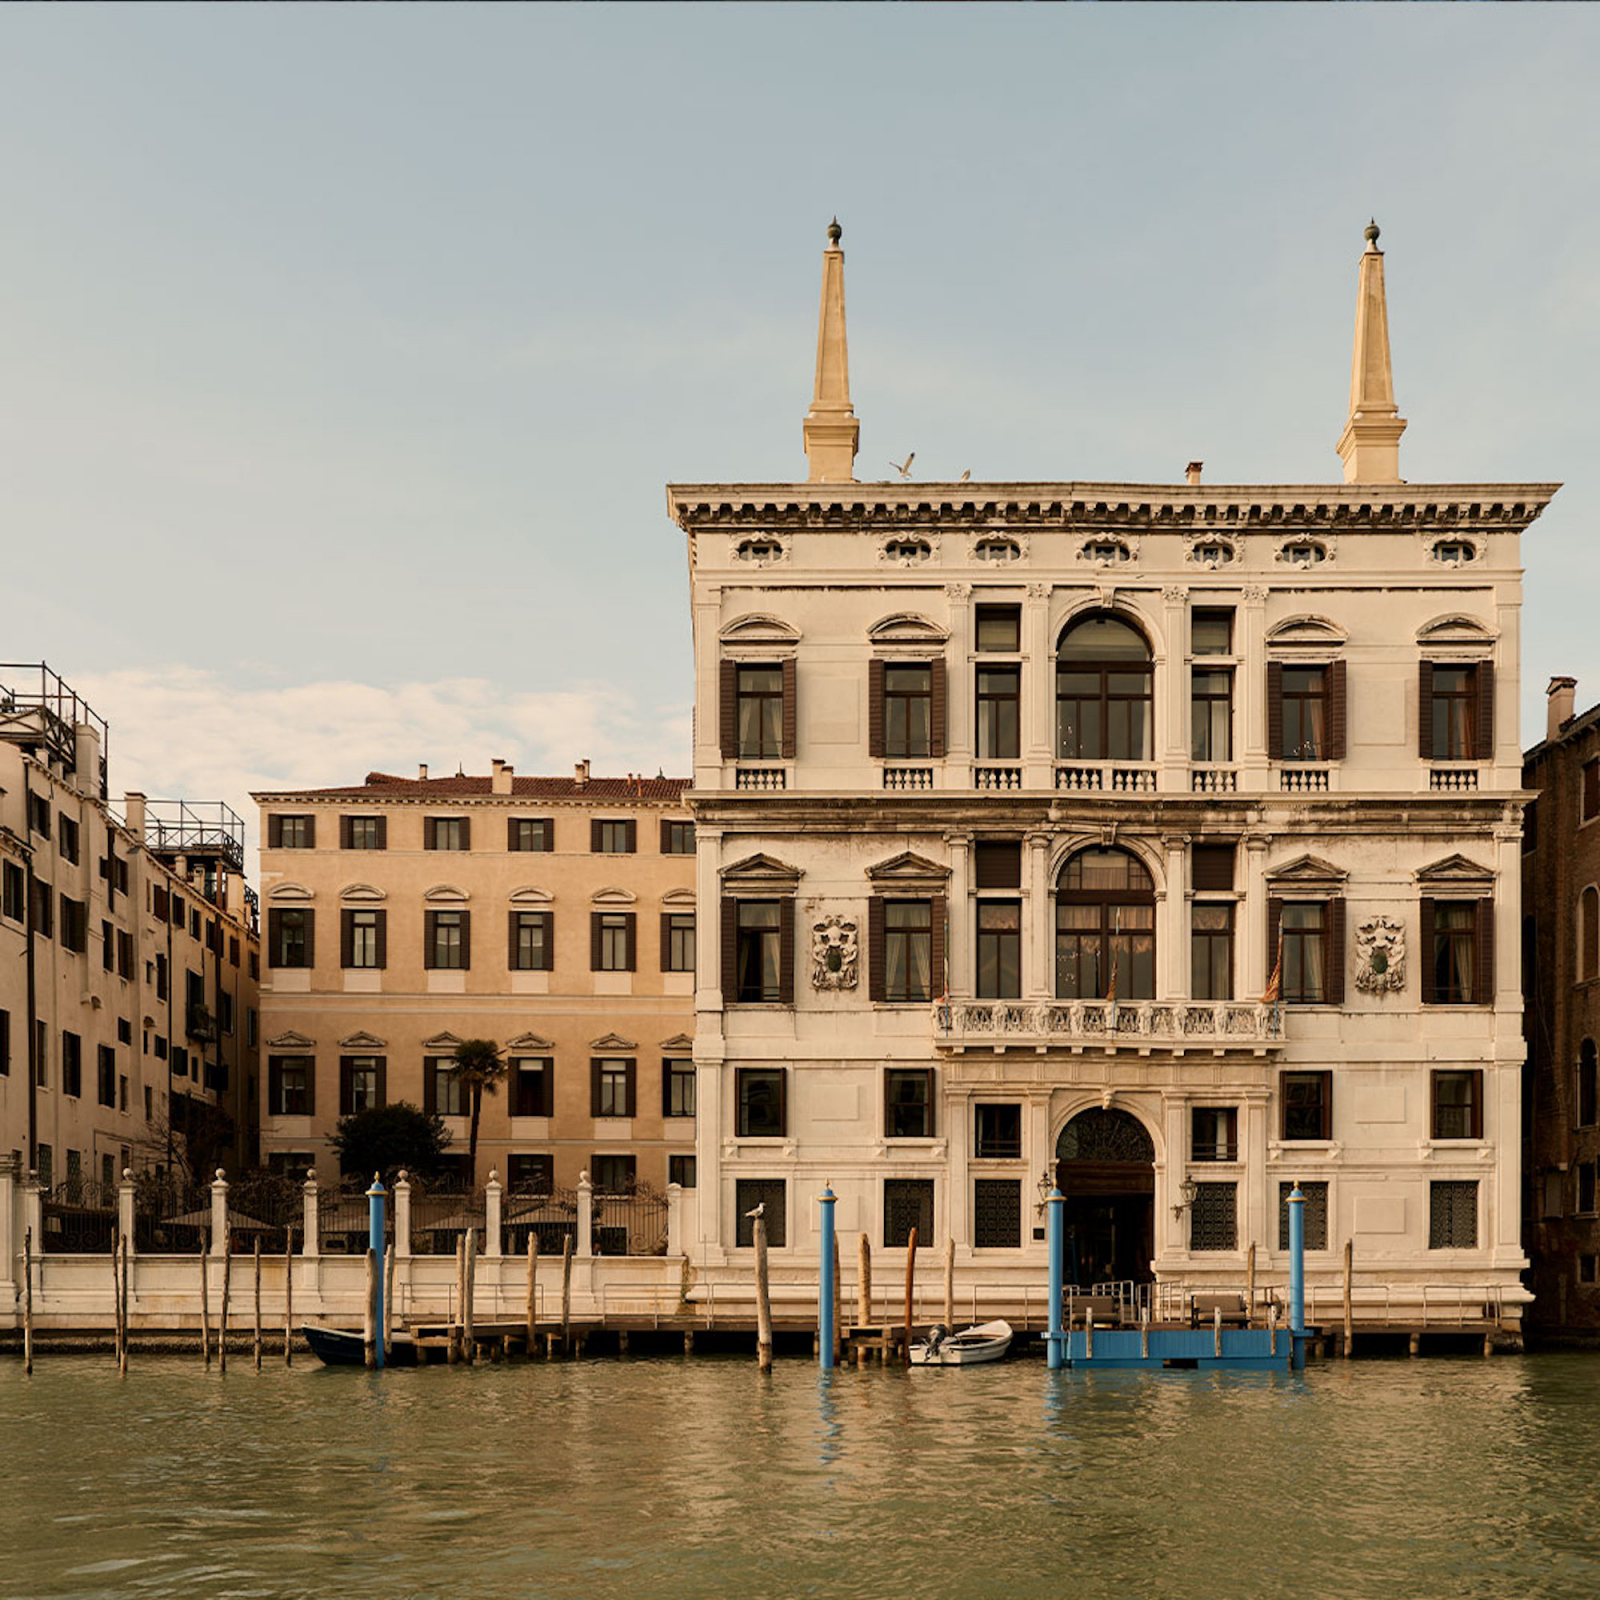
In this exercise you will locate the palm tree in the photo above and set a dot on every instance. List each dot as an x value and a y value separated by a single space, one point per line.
479 1069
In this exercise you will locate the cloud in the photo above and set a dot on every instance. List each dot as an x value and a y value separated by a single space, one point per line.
181 732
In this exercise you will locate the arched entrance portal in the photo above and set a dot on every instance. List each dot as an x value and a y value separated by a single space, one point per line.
1105 1166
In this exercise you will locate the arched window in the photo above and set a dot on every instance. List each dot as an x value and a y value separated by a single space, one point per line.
1589 934
1103 692
1588 1102
1105 928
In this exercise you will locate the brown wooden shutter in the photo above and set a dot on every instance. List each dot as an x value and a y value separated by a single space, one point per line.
936 963
786 951
429 838
383 833
666 939
666 1088
632 835
875 707
938 708
346 1067
347 938
632 1103
466 833
344 833
594 836
594 1086
594 941
789 720
1334 923
429 938
1483 955
876 988
382 938
1337 702
311 833
1275 710
511 941
1476 1125
1483 733
549 941
274 833
1426 946
158 901
430 1088
274 936
311 938
666 842
1274 934
728 710
730 949
383 1080
512 843
633 943
1425 710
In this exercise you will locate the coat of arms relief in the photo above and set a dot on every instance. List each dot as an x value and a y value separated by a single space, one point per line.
834 952
1380 956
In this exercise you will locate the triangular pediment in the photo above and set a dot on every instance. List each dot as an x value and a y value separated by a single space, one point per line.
1306 869
441 1042
678 1044
761 868
363 1041
613 1041
445 893
289 891
361 893
290 1041
760 628
529 1042
1455 869
530 896
907 627
907 867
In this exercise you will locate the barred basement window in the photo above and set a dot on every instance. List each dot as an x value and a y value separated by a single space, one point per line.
771 1194
1213 1218
1315 1214
907 1204
1453 1215
997 1213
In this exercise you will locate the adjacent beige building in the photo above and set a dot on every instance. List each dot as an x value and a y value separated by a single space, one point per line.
552 915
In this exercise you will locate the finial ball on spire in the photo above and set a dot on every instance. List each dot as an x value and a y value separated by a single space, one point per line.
835 233
1370 233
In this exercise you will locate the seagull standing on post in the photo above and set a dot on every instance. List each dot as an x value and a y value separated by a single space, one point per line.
759 1210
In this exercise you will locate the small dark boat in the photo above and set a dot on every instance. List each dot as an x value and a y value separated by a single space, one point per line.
343 1347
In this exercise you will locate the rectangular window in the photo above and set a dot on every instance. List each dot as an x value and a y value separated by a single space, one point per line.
613 939
677 941
770 1195
1453 711
533 1086
615 1175
443 1092
5 1044
124 953
997 1213
1458 1104
446 833
107 1075
1211 951
1586 1188
291 833
997 864
677 838
907 1204
363 939
759 951
681 1171
1211 633
999 949
907 950
289 937
1212 867
532 945
1587 1265
999 713
612 1087
907 709
39 814
363 833
1307 1105
290 1081
1211 715
908 1103
761 1103
1591 790
998 630
1214 1132
535 834
67 838
759 711
1314 1217
74 925
613 837
1456 940
531 1174
1303 947
1213 1218
72 1065
161 975
1305 714
44 909
361 1084
14 891
677 1088
1453 1215
997 1132
446 945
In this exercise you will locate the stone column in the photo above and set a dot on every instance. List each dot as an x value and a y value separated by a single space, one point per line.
1170 736
675 1219
1038 941
125 1208
1258 1216
958 1142
585 1246
1175 1111
708 688
1038 691
219 1214
1172 932
492 1243
311 1240
402 1216
1250 690
1250 952
958 959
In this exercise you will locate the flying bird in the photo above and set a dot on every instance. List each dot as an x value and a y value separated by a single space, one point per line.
904 469
759 1210
965 476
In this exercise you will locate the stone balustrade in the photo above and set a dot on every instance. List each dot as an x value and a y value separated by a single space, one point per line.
1136 1024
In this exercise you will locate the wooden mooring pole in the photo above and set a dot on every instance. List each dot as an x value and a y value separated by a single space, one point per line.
533 1290
566 1294
256 1346
1250 1285
950 1284
911 1276
126 1273
116 1300
227 1290
388 1301
369 1312
1349 1310
863 1296
288 1296
467 1335
763 1303
205 1304
453 1351
27 1303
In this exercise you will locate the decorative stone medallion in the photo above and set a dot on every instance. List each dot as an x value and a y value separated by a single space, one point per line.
834 952
1380 956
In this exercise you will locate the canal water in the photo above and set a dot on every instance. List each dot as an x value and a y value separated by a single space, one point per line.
694 1477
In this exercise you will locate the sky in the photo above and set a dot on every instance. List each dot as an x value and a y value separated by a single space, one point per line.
345 351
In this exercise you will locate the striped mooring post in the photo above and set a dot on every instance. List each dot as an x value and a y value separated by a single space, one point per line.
1057 1237
376 1196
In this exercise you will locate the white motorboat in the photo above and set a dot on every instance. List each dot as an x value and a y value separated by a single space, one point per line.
986 1342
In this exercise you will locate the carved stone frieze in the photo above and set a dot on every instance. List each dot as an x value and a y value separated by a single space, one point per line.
1380 956
835 950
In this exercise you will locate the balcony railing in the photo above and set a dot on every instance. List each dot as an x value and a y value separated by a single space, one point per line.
1108 777
1303 779
990 777
1211 778
1454 779
908 777
761 778
1189 1024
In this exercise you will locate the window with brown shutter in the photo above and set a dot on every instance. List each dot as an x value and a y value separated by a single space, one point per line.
1213 867
1275 710
1484 689
876 985
786 952
939 913
875 707
789 709
997 864
1335 995
729 974
1338 701
1425 712
1457 1104
1483 965
530 941
677 941
613 941
939 696
728 709
611 1086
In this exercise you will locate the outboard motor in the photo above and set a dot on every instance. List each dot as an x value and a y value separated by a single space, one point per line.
937 1335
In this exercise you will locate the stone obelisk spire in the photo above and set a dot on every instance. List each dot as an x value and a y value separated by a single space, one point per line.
832 434
1370 443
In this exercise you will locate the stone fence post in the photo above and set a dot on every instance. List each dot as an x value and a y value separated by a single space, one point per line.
125 1208
219 1214
10 1233
402 1216
33 1211
585 1246
492 1244
312 1242
674 1219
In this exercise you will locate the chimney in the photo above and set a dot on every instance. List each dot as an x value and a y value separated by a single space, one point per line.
133 812
422 772
500 778
580 775
1192 471
1558 708
86 761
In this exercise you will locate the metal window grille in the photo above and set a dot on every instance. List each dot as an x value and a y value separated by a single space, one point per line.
997 1213
1316 1214
1453 1215
1213 1218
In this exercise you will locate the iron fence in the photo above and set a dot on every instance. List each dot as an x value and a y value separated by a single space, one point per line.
630 1224
552 1215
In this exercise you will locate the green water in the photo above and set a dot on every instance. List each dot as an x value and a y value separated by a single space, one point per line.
695 1477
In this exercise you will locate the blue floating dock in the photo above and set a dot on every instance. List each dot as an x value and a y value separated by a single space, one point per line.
1242 1348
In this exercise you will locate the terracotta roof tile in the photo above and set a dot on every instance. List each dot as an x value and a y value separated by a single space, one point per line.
618 791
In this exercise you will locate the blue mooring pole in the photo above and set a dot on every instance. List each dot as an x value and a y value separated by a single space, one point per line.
826 1308
1058 1252
375 1238
1297 1274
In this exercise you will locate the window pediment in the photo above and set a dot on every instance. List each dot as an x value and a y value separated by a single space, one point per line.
908 870
613 1041
678 1044
907 627
445 894
290 893
363 1041
759 628
290 1040
1457 872
613 897
1306 633
1456 629
1307 872
761 871
681 899
529 1043
361 894
441 1043
530 896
